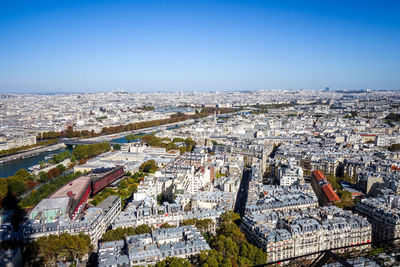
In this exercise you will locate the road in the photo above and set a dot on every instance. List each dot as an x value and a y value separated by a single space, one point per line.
243 191
31 152
97 139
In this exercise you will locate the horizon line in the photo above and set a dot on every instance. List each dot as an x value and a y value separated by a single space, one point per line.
121 90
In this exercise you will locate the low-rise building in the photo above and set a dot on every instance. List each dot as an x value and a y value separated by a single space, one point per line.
323 189
147 249
51 216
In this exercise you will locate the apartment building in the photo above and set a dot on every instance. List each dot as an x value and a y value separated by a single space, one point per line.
290 174
384 215
288 234
147 249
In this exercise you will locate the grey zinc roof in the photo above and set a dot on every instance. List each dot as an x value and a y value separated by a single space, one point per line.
107 203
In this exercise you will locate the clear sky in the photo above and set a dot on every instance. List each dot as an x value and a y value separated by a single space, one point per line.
88 46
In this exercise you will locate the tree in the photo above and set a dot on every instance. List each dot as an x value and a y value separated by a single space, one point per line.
123 184
173 262
23 174
30 184
116 147
42 164
230 247
64 247
17 186
88 151
226 246
3 187
161 198
189 143
125 189
59 157
42 176
121 233
46 189
129 127
53 172
253 254
182 150
22 148
61 167
149 166
229 217
210 258
143 229
118 234
166 226
203 225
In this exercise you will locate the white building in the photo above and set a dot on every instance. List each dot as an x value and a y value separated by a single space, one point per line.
290 175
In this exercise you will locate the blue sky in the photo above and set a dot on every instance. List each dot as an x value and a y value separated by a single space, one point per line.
88 46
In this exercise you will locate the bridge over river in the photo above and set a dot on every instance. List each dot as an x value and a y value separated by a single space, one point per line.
116 138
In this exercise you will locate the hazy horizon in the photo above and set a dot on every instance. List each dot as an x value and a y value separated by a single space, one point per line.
187 91
92 46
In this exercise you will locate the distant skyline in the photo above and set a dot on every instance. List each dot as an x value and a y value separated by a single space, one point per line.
185 91
149 46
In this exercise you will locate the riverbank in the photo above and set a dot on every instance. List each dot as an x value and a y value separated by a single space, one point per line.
10 164
10 167
112 137
31 152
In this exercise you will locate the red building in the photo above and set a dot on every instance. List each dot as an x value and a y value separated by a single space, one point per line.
102 177
80 189
323 189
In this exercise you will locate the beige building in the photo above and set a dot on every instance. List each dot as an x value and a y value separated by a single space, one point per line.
17 141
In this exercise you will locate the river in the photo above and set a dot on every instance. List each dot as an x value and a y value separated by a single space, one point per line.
122 140
11 167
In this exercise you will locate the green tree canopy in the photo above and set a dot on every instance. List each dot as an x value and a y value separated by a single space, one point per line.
62 248
230 247
149 166
189 143
116 147
121 233
173 262
88 151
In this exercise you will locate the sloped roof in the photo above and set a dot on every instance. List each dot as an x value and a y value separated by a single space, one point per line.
330 193
319 175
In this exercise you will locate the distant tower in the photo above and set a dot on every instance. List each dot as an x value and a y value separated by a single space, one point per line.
327 89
